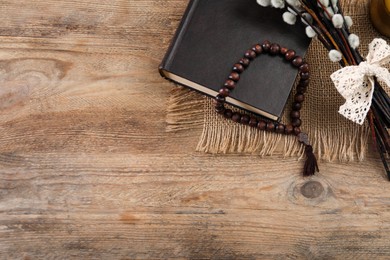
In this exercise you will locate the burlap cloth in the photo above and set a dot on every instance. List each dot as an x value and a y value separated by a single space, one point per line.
333 137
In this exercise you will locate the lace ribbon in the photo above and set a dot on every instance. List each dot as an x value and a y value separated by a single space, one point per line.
356 83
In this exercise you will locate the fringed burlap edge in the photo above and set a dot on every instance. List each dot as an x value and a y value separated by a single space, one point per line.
349 147
185 109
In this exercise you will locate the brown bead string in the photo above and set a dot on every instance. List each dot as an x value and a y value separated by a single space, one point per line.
294 126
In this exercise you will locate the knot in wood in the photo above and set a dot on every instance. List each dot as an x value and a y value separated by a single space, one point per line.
312 189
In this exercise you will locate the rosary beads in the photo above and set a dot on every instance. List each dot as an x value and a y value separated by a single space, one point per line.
293 127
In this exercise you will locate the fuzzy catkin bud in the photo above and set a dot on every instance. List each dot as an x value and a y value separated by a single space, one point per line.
330 12
289 18
310 32
353 41
291 11
335 55
348 21
277 3
294 3
338 21
308 17
264 3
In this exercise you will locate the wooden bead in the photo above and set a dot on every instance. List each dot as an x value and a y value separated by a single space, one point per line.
236 117
301 89
257 49
297 106
290 55
224 92
299 98
245 119
280 128
305 75
295 114
253 122
304 82
297 61
238 68
244 62
220 99
304 67
228 113
274 49
266 45
234 76
218 104
289 129
283 50
250 54
220 110
297 130
230 84
261 125
270 126
296 122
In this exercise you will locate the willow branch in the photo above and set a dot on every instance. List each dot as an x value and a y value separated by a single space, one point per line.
324 30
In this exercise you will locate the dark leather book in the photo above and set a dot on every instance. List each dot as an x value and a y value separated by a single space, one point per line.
214 34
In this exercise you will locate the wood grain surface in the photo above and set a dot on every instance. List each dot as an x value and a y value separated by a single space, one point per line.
88 170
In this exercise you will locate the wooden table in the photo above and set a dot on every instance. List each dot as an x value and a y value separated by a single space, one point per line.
89 171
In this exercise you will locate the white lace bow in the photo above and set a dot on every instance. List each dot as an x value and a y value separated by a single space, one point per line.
356 83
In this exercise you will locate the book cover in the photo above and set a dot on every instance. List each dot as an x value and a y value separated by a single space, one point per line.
214 34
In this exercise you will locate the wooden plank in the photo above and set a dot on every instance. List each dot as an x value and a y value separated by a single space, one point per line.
87 169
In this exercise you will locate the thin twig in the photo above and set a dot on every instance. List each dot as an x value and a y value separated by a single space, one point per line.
323 28
345 43
323 40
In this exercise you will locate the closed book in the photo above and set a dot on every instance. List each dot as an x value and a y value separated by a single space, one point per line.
214 34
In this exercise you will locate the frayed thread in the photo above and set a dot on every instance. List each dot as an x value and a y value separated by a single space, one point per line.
185 110
329 145
311 165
